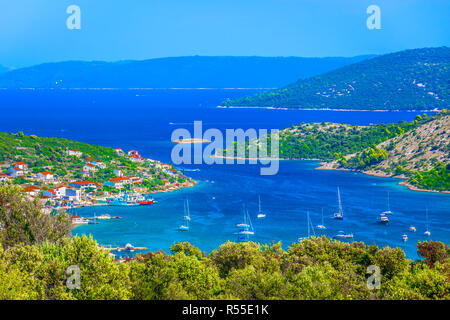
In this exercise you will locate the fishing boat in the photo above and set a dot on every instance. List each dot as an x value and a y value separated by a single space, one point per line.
412 229
146 202
79 220
340 214
382 219
405 237
343 235
104 217
310 225
427 231
186 217
388 211
321 226
260 214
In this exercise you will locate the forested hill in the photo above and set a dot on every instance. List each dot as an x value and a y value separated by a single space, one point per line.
411 79
177 72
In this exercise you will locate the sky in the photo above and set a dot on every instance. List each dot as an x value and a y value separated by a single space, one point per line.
35 31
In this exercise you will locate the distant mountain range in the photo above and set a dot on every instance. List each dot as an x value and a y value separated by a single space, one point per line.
180 72
410 79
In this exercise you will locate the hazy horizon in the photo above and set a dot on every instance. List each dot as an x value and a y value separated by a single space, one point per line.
34 32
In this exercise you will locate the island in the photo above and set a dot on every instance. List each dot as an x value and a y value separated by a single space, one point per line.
418 151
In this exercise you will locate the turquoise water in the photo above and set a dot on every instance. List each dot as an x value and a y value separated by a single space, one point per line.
144 121
216 206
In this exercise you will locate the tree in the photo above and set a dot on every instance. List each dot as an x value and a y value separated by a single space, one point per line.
23 221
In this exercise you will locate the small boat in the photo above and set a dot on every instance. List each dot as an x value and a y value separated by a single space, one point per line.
187 218
246 227
343 235
388 211
321 226
310 225
260 214
412 229
382 219
79 220
104 217
405 237
340 214
146 202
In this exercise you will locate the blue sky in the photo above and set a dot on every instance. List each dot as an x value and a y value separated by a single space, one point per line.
34 31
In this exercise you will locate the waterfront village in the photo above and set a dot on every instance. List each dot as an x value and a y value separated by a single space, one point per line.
122 180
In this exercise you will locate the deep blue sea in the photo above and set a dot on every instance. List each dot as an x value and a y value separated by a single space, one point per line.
145 119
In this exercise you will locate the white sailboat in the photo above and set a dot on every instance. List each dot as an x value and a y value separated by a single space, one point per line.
260 214
321 226
340 214
427 232
187 218
388 211
246 227
310 226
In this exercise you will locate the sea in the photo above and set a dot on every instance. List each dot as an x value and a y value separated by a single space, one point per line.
145 119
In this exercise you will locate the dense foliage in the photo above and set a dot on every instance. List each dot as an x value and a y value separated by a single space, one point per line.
329 141
411 79
23 221
437 178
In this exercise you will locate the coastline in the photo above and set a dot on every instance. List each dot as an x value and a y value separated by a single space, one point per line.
326 109
404 182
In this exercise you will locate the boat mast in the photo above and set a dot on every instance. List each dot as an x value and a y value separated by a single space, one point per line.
307 222
389 205
259 204
340 204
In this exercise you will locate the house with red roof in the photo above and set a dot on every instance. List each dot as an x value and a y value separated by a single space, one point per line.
133 152
16 172
88 167
118 182
84 185
31 191
136 158
21 165
46 176
99 164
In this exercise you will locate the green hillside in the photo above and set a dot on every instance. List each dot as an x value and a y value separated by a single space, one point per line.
411 79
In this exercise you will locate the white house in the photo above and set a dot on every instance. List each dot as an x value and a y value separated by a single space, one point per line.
46 176
21 165
73 194
136 158
133 152
118 182
89 168
75 153
31 191
99 164
83 185
16 172
118 172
